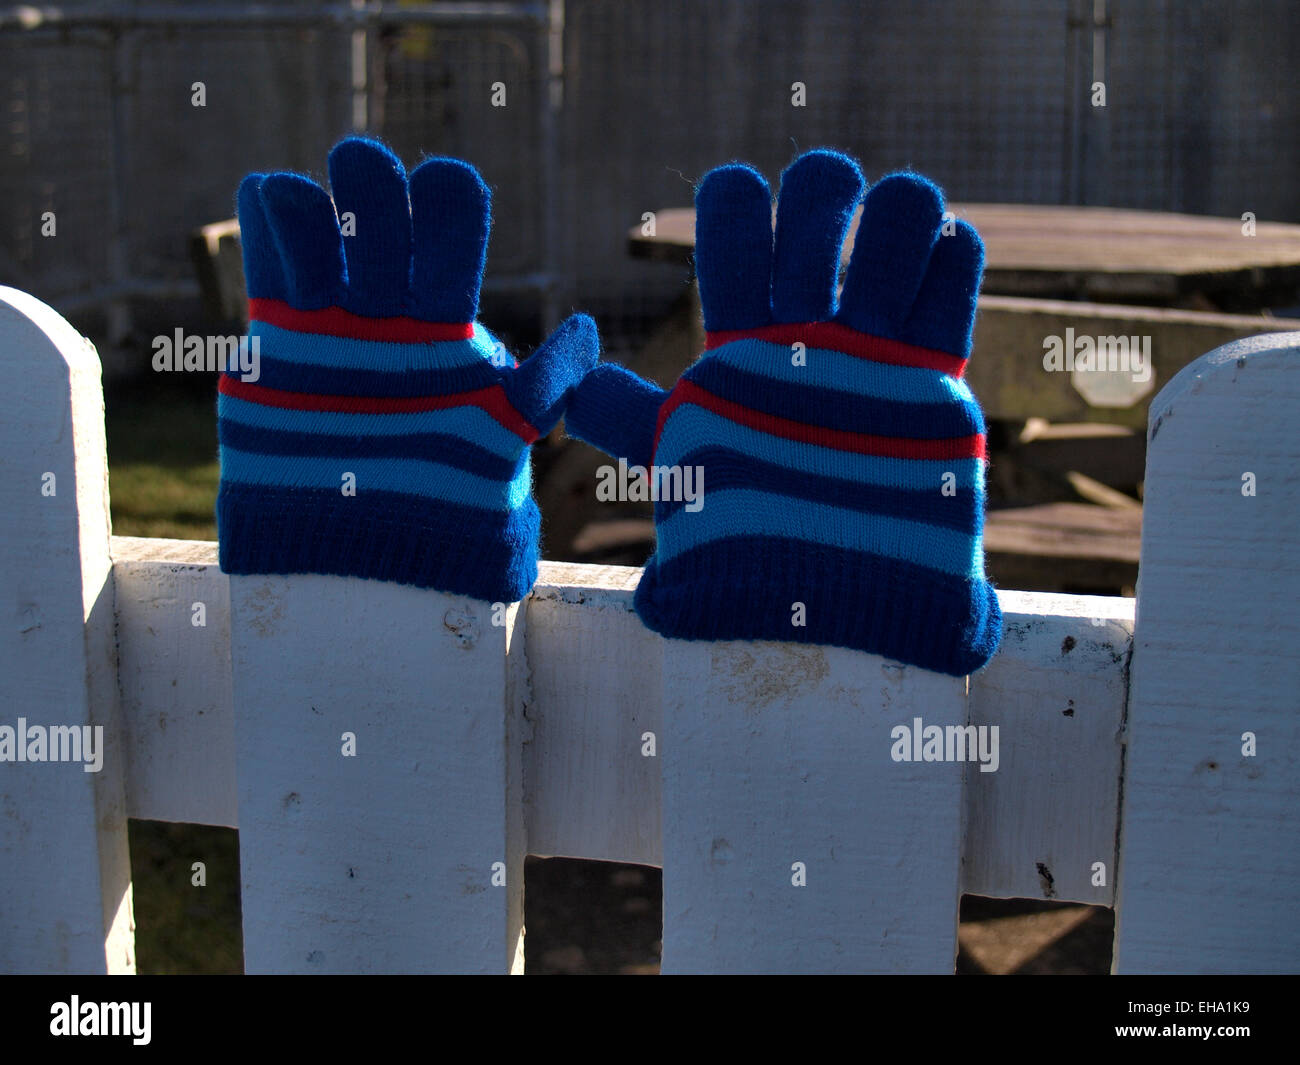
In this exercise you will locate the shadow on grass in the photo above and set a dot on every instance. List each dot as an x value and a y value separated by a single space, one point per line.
162 457
182 927
581 916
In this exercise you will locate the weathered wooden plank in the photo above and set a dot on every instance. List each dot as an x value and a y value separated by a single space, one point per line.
1065 530
1056 689
793 842
1008 374
407 854
175 681
1211 836
65 873
591 775
1085 252
1115 455
218 262
1075 544
1102 494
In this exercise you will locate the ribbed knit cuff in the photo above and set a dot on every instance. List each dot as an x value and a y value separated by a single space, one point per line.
489 555
745 588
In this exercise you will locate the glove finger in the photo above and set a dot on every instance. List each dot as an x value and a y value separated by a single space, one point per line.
451 214
575 342
943 316
306 234
900 222
369 186
819 192
263 272
733 248
540 387
616 411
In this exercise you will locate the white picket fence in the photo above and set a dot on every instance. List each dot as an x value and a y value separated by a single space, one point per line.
758 775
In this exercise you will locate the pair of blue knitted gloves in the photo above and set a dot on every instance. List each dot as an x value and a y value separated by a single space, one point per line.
386 433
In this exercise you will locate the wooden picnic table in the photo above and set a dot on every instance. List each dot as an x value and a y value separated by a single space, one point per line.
1102 254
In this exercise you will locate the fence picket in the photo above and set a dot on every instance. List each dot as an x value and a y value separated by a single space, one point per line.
1210 841
65 874
384 860
777 756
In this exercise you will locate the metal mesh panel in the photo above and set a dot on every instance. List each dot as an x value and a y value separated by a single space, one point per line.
432 94
990 98
656 94
275 99
1203 109
58 144
102 127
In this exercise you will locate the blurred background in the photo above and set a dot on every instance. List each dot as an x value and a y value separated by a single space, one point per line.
131 124
614 108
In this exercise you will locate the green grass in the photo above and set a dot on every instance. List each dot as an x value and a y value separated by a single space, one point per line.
182 927
162 460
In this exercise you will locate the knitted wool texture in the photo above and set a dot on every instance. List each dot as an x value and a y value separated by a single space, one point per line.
842 455
371 364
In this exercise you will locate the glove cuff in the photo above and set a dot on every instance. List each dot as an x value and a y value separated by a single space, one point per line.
385 536
850 599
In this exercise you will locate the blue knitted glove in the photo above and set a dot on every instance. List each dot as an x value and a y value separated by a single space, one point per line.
842 456
384 435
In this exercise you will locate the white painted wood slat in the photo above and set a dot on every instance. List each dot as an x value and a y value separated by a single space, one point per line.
175 680
596 707
1039 826
793 842
65 874
1211 837
408 855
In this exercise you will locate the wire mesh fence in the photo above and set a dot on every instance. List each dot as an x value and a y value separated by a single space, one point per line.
584 114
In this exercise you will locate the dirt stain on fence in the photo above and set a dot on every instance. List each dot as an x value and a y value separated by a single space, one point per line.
760 675
267 608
